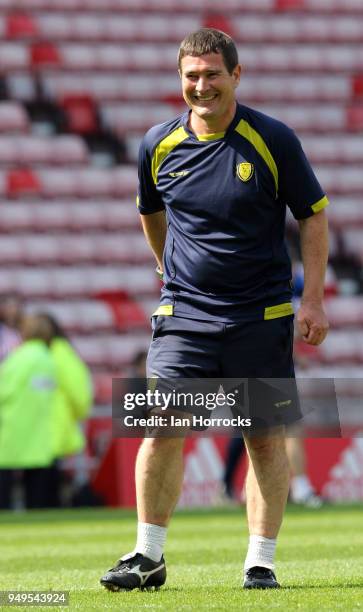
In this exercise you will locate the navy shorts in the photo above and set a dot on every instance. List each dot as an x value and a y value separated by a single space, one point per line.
187 348
184 348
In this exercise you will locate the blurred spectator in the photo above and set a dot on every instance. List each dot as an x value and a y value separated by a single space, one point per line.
73 398
301 489
27 386
11 309
10 317
226 494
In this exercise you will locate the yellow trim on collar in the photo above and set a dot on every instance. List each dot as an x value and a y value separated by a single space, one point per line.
318 206
166 310
280 310
215 136
165 147
246 130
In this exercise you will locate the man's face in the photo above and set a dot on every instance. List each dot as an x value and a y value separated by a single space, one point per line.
208 88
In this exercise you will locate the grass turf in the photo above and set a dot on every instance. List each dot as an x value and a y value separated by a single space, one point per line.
319 559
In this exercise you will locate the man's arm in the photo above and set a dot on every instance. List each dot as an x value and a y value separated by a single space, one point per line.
311 319
154 227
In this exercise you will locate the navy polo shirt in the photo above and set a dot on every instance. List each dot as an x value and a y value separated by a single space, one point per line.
225 197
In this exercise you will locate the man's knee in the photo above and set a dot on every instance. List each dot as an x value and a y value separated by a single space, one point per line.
266 445
162 445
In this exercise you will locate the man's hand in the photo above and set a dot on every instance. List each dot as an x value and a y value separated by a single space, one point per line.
312 323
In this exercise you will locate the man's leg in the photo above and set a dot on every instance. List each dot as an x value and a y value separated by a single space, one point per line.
267 488
159 478
267 483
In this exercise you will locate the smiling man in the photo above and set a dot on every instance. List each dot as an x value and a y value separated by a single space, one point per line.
214 184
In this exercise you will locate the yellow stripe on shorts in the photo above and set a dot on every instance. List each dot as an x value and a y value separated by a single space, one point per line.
165 309
280 310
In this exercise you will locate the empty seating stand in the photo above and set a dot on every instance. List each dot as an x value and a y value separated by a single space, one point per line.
70 237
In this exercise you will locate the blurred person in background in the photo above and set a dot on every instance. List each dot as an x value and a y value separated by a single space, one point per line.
11 310
72 402
27 388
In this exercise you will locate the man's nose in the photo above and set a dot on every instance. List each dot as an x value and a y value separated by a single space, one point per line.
202 84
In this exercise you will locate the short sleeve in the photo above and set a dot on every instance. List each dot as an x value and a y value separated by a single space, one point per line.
299 188
148 198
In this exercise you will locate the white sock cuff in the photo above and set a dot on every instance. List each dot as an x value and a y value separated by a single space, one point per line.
150 540
261 552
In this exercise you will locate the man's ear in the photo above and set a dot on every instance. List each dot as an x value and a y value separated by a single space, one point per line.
237 72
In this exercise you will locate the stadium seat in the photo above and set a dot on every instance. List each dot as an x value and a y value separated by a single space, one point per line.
342 347
13 56
219 21
345 310
60 282
13 117
102 385
44 55
338 149
22 181
75 228
31 150
21 25
127 312
69 150
80 112
21 86
58 183
341 179
355 118
15 217
110 351
353 243
82 317
358 85
346 212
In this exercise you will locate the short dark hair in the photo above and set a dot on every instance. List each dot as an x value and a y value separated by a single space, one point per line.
209 40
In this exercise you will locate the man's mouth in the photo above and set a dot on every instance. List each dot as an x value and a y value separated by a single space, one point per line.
205 98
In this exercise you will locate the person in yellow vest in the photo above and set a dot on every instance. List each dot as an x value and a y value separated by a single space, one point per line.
27 389
73 396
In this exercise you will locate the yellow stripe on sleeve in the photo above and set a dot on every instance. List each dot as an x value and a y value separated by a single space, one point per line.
247 131
320 204
163 149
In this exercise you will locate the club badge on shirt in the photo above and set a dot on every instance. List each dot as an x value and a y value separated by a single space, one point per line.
245 171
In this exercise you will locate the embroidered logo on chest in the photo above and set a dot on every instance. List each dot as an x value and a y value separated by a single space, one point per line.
181 173
245 171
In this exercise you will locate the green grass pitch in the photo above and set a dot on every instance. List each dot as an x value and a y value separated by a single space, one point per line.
319 559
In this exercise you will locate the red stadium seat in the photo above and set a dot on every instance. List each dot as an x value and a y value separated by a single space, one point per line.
358 86
355 118
81 113
127 313
220 22
22 181
44 55
21 25
288 5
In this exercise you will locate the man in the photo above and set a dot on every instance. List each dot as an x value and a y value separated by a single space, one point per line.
214 185
27 387
10 319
